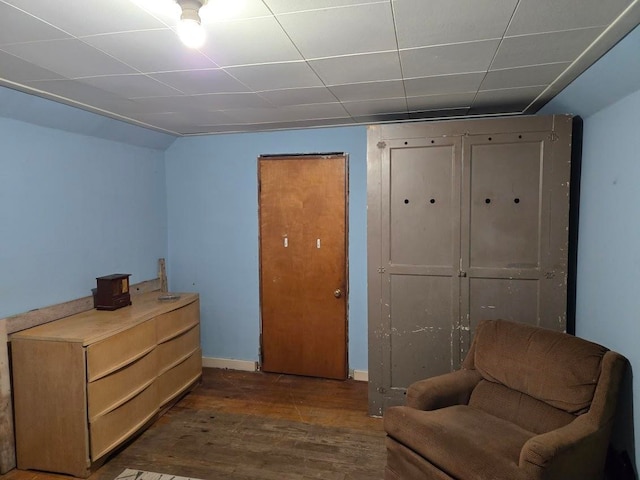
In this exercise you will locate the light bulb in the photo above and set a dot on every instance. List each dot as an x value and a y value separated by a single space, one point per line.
191 32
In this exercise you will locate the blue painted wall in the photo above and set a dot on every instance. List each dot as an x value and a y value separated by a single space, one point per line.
608 297
608 280
74 207
212 197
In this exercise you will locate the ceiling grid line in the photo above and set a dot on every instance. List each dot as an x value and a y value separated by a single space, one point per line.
287 64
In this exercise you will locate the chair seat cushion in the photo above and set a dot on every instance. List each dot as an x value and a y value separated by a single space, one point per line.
519 408
460 439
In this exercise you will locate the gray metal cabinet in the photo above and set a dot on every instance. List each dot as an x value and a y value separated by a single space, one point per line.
467 220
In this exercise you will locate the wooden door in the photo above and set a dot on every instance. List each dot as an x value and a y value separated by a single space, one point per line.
303 273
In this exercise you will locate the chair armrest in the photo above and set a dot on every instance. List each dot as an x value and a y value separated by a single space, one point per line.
573 451
443 391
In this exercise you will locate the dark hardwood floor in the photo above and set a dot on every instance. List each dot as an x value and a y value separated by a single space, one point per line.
250 426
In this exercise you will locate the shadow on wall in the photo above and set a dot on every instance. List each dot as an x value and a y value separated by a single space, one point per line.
620 460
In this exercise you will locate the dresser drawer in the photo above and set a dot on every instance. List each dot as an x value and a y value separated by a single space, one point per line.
175 380
173 323
178 348
120 349
111 391
109 430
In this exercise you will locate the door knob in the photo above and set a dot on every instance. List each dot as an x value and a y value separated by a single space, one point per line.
337 293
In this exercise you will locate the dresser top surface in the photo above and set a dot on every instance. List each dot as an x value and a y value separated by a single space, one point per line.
94 325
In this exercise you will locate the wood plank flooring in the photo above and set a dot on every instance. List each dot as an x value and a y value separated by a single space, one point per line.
256 426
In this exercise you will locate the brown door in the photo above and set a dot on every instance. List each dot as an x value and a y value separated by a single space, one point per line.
303 277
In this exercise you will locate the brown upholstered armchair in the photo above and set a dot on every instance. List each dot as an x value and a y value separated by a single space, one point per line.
529 403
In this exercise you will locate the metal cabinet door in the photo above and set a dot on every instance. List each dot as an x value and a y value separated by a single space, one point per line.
467 220
420 235
514 230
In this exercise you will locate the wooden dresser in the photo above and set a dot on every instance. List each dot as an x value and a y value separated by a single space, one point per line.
86 383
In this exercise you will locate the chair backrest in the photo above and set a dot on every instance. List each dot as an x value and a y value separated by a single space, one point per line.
537 378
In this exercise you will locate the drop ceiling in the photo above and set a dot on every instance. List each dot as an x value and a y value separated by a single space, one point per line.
280 64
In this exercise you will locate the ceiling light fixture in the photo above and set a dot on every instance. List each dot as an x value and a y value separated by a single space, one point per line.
190 29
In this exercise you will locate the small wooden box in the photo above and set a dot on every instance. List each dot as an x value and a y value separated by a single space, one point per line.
112 291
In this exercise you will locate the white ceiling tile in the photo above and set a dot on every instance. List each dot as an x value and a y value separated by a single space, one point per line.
166 11
17 70
297 68
151 51
184 119
149 105
131 86
523 76
375 107
83 17
276 76
298 96
223 101
70 58
381 117
436 114
293 113
369 67
297 124
342 31
439 102
18 26
224 10
253 115
318 122
289 6
543 48
535 16
310 112
245 42
368 91
207 102
438 22
448 59
73 90
121 106
443 84
193 82
507 100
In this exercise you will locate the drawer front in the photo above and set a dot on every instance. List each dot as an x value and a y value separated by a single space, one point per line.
107 393
119 350
175 380
110 430
173 323
177 349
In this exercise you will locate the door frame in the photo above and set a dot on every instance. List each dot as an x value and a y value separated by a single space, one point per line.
298 156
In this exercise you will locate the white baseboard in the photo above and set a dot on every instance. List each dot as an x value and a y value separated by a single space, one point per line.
249 366
361 375
229 363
